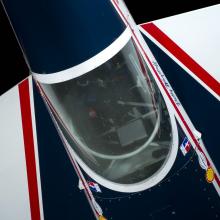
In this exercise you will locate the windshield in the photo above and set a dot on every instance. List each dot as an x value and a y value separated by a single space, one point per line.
115 118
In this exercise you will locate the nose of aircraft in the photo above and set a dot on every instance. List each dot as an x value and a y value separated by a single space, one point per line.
56 35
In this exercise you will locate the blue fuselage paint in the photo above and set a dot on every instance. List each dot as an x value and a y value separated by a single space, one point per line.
182 194
56 35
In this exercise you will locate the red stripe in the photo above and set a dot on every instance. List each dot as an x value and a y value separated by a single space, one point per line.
166 91
217 179
144 71
29 149
182 56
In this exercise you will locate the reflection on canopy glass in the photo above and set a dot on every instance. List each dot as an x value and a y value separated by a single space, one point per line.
115 118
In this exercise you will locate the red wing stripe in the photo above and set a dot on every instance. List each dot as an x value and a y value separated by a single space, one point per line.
29 149
182 56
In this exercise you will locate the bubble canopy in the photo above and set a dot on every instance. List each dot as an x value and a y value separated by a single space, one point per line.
117 122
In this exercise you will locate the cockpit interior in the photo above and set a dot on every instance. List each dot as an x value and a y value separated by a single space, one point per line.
115 118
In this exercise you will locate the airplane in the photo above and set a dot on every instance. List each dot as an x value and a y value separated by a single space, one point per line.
116 120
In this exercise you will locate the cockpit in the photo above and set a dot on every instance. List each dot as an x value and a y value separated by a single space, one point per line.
115 119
